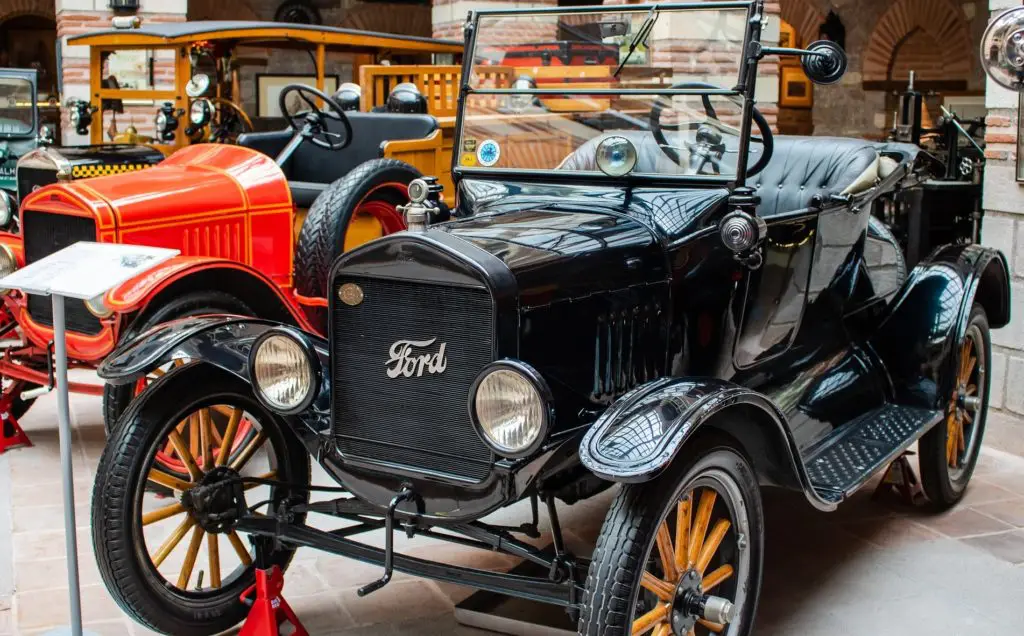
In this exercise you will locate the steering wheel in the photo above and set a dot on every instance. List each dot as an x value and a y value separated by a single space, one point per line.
230 123
708 147
312 123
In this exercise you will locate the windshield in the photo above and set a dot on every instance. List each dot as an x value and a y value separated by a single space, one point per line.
17 112
549 89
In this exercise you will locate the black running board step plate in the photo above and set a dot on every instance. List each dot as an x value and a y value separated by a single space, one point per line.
857 450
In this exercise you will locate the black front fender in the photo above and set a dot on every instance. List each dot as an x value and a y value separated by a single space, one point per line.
221 340
644 431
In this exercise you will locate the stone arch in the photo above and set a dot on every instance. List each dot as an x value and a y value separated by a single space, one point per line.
17 8
221 10
804 17
403 19
939 19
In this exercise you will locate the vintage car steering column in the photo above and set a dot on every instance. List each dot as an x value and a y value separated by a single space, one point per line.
311 125
708 146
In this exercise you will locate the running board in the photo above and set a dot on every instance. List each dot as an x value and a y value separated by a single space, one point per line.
857 450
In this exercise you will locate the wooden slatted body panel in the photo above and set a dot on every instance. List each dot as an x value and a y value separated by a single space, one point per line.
439 84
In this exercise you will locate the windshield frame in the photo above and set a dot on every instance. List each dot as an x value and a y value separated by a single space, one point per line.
743 91
30 76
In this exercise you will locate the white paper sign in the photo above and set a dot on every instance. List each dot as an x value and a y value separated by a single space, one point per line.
86 270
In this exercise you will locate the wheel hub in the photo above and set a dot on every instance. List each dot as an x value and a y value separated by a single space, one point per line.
691 604
686 602
213 503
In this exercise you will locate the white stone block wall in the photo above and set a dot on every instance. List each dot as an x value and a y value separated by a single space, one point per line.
1003 229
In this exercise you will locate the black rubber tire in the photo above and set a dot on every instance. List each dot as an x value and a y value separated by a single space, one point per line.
116 538
940 488
629 529
117 397
322 237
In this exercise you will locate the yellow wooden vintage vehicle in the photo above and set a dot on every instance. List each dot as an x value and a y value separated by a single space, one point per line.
158 87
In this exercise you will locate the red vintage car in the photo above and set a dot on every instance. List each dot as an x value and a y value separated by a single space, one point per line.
256 234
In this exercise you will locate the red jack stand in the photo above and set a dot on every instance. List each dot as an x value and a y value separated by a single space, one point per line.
269 609
12 436
901 483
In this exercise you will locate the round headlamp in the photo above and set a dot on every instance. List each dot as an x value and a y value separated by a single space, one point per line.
198 85
510 404
616 156
75 117
6 209
161 122
284 371
97 307
200 113
8 264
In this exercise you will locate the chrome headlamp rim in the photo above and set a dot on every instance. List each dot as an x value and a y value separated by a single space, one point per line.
7 209
197 85
97 307
626 147
312 361
543 391
162 122
206 112
8 253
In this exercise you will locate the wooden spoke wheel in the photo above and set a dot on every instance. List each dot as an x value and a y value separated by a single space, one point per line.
180 566
203 432
949 452
695 535
966 401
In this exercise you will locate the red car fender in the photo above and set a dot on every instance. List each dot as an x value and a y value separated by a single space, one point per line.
136 293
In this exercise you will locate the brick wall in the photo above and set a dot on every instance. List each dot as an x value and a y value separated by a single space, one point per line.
847 108
75 17
1004 229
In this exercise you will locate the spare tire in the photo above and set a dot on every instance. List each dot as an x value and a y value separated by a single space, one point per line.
366 199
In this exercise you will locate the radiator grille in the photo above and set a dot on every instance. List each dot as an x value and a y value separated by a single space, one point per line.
31 178
44 234
420 422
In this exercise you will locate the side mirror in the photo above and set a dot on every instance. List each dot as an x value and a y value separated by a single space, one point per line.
1002 50
824 62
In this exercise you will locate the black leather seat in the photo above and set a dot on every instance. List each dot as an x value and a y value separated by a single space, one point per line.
312 168
802 168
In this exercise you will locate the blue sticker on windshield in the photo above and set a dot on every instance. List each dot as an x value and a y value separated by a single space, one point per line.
488 152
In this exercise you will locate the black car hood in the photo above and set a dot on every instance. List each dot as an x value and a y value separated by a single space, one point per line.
560 254
564 242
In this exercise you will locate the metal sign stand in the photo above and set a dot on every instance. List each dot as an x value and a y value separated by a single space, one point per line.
83 271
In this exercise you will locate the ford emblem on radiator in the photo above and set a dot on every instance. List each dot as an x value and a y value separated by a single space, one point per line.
408 358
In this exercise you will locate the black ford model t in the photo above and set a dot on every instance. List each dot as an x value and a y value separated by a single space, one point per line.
642 287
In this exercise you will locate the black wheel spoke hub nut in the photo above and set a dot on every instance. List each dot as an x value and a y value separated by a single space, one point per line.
686 605
212 503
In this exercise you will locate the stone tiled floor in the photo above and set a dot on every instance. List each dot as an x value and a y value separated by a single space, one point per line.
869 568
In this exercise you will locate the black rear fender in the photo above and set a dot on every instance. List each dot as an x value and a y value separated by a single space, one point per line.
646 429
917 341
